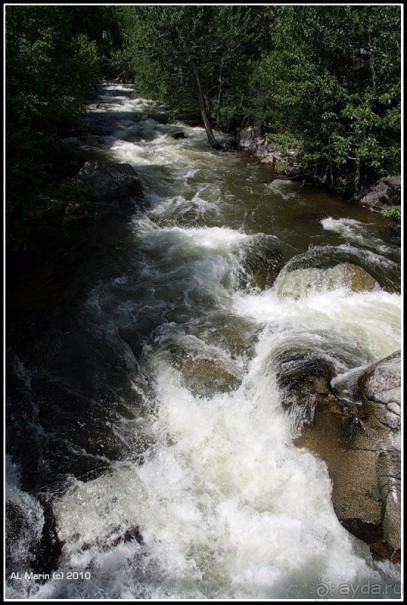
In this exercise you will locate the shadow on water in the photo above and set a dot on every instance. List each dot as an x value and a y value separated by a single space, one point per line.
68 376
71 406
79 385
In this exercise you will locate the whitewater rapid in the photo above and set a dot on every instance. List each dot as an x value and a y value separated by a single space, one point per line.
225 506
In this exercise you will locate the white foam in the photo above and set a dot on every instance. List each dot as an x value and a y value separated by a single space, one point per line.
355 231
284 188
218 239
368 321
227 506
27 517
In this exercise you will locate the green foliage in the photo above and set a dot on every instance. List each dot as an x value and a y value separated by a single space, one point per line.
50 73
163 43
101 25
328 76
284 141
333 80
52 70
393 213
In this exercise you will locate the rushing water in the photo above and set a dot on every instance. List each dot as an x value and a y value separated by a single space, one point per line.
167 467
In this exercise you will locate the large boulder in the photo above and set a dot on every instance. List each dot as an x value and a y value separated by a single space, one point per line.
110 182
385 194
380 390
302 282
261 267
358 437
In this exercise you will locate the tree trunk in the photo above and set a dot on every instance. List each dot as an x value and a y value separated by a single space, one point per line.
357 175
372 67
209 133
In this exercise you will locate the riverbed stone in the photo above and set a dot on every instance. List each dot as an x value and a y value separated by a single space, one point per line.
384 194
207 376
110 182
302 282
178 135
263 265
360 280
360 444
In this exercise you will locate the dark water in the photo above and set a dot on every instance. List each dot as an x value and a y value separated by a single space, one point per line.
149 456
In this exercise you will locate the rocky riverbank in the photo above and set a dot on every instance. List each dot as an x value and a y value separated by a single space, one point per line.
352 422
282 162
383 195
354 426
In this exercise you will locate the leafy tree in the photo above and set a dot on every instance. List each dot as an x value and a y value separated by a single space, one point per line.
101 25
333 80
50 72
189 55
52 69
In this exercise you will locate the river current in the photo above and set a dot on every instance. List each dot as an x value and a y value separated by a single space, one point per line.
153 432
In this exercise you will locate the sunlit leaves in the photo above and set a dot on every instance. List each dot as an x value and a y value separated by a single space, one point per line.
333 79
221 41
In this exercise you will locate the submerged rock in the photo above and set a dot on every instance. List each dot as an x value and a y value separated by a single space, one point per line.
206 376
178 135
360 444
262 267
300 283
359 279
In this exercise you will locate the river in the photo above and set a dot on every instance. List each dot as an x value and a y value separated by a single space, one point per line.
146 432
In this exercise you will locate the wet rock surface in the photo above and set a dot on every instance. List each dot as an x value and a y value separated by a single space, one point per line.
305 382
299 283
385 194
178 135
110 182
262 266
359 279
206 376
359 442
